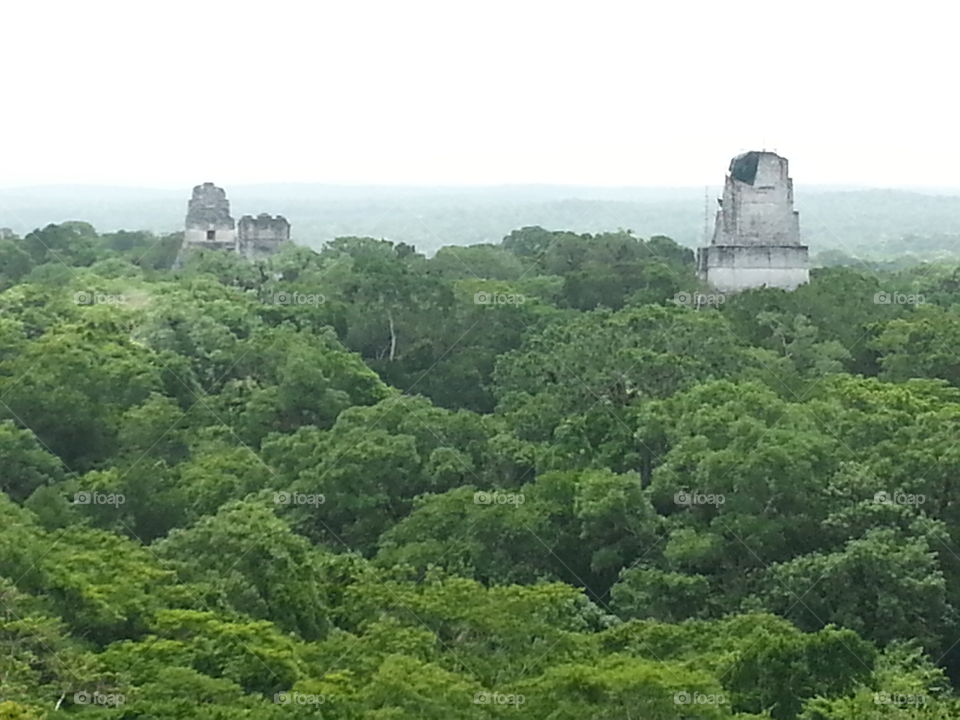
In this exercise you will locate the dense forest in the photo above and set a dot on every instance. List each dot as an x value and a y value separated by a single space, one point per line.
552 477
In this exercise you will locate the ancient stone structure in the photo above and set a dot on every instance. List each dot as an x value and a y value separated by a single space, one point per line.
261 235
756 240
209 225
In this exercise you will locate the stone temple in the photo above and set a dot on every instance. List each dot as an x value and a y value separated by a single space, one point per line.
259 236
756 240
210 226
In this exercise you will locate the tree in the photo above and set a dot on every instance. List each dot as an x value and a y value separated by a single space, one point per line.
24 464
246 559
886 586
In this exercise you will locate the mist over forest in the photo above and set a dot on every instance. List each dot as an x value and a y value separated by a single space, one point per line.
865 223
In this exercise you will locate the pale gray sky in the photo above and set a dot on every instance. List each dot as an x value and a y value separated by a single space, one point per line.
171 93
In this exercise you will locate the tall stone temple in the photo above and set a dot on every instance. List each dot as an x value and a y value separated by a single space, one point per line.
756 240
210 226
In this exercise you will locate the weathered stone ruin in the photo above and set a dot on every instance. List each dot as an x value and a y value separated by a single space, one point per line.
756 240
261 235
208 223
210 226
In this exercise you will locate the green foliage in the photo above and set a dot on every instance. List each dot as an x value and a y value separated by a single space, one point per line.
508 480
249 561
24 464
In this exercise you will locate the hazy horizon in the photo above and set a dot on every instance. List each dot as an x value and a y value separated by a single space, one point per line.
428 217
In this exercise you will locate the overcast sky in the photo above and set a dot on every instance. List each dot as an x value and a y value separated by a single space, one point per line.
663 92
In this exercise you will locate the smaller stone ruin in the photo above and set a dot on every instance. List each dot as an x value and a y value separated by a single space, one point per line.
261 235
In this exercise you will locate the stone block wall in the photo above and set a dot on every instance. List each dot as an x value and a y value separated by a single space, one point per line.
730 268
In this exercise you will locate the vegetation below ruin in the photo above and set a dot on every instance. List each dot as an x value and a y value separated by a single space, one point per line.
548 478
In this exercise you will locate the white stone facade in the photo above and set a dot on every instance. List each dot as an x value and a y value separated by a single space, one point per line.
731 268
756 240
